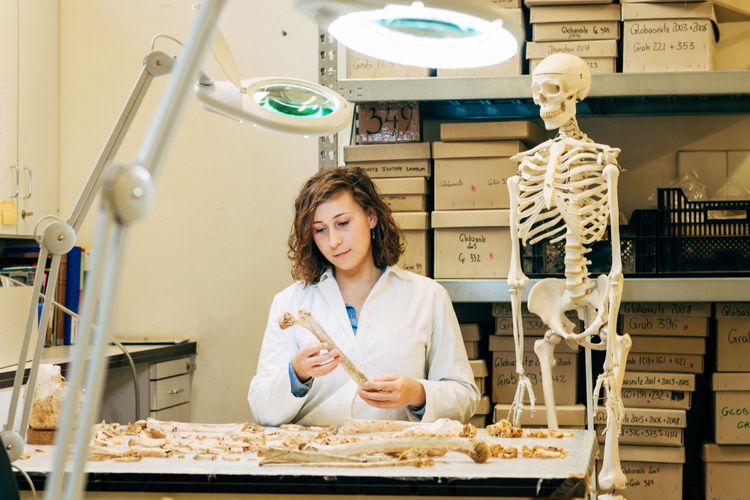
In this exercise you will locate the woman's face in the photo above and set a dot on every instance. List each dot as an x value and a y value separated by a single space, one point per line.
341 230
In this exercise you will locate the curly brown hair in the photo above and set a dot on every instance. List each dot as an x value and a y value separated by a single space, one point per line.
308 264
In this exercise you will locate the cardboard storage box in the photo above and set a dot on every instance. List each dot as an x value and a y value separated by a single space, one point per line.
657 390
699 309
481 416
666 345
653 472
732 407
363 66
648 436
479 381
391 160
484 407
505 379
404 194
417 256
655 361
656 398
472 349
568 416
651 426
600 55
473 175
510 67
575 22
529 132
726 470
733 337
668 37
532 3
479 368
646 417
680 326
470 332
531 324
471 243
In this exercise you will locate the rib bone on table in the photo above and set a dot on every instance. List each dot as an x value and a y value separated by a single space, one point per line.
305 320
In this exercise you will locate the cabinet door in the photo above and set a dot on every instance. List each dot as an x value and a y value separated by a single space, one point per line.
9 189
37 111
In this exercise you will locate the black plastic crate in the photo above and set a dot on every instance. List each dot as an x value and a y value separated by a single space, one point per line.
702 237
638 249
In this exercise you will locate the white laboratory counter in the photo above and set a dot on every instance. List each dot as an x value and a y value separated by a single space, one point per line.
452 475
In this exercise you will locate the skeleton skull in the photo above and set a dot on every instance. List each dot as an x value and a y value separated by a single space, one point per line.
558 82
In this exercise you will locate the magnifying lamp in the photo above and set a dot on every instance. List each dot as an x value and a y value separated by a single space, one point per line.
444 34
279 104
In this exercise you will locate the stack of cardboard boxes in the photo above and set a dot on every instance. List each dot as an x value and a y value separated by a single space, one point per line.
471 217
505 379
668 35
472 336
587 29
727 461
401 172
657 391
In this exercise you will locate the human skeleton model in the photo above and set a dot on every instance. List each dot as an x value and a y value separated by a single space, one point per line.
566 189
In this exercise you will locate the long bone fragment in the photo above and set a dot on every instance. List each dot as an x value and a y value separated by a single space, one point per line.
282 456
442 427
478 451
305 320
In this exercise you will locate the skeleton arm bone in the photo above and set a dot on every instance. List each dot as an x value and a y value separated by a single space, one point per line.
517 281
305 320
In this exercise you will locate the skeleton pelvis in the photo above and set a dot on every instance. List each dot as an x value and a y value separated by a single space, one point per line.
549 300
546 301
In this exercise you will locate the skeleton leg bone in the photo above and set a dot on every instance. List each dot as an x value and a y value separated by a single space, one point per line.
305 320
545 350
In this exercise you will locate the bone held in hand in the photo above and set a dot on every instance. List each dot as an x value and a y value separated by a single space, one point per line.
305 320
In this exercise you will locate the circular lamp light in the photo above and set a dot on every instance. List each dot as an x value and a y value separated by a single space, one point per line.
280 104
424 36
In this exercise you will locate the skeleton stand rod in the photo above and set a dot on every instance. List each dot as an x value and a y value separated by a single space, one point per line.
305 320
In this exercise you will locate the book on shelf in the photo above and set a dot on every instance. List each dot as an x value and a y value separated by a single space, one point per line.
20 263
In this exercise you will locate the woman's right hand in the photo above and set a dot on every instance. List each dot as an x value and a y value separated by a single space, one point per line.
309 362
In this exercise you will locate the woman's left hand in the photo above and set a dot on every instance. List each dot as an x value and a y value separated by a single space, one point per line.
392 391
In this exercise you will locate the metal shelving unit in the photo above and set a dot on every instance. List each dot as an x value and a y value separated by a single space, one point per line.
635 289
698 85
473 98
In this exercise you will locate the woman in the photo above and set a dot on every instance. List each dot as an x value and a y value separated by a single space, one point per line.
397 327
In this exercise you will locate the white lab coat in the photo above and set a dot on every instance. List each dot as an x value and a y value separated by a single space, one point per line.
407 326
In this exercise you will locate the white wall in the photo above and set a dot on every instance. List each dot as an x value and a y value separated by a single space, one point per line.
208 259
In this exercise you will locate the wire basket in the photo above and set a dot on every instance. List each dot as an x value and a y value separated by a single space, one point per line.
638 249
702 237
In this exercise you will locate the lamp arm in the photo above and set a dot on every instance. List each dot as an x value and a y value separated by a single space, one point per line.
127 196
58 239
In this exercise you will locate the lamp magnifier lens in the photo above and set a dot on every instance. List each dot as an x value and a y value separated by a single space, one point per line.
427 28
293 100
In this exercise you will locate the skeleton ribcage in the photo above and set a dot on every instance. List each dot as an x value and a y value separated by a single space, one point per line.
579 204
